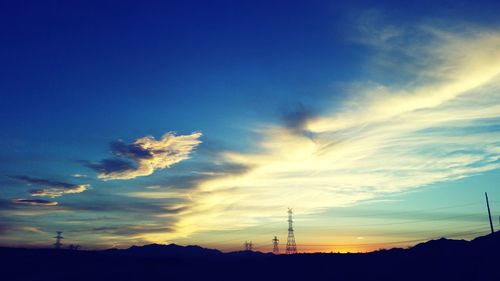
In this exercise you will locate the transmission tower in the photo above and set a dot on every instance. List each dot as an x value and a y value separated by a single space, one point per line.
248 246
291 248
58 238
276 249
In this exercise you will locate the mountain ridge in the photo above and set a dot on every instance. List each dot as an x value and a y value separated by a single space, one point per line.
173 250
438 259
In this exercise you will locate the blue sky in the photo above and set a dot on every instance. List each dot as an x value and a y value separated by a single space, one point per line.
201 123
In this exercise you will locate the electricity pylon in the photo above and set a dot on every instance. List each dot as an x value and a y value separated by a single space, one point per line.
276 249
291 247
248 246
58 238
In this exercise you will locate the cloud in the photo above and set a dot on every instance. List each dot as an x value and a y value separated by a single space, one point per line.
296 117
385 138
51 188
15 227
108 216
157 216
133 231
371 29
32 229
146 155
117 205
112 166
455 64
35 202
199 172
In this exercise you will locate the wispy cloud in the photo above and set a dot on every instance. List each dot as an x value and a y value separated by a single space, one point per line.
133 231
51 188
441 126
146 155
35 202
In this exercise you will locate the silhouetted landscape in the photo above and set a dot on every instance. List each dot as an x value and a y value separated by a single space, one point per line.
441 259
270 140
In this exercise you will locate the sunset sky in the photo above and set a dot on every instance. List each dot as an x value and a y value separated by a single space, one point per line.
201 122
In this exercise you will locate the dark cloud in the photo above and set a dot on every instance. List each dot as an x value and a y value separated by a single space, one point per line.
119 220
39 181
23 204
35 202
131 230
213 147
124 205
117 207
145 155
109 166
296 118
200 172
132 151
51 188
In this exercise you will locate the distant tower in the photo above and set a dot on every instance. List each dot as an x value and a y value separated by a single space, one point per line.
58 237
276 249
248 246
291 248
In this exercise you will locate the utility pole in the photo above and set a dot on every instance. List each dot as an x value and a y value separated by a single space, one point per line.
489 213
58 238
291 247
276 249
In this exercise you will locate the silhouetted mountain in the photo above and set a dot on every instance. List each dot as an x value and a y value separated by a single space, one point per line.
181 252
247 254
167 251
441 245
441 259
489 242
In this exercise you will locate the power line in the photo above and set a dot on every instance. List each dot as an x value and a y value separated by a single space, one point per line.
475 231
412 221
416 232
221 242
461 234
391 213
225 232
235 239
439 208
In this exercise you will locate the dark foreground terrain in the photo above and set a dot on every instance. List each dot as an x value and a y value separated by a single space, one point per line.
441 259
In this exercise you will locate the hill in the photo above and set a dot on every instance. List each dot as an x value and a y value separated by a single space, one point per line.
441 259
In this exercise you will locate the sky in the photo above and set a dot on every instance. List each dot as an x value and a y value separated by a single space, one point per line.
201 122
